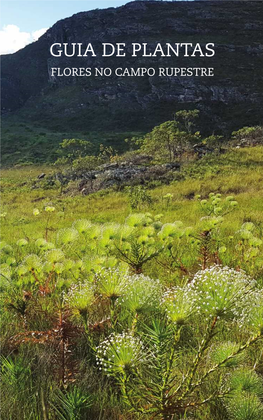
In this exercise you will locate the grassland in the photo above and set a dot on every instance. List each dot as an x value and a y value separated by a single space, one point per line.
237 172
123 316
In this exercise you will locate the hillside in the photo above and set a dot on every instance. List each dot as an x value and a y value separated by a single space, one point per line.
237 172
86 106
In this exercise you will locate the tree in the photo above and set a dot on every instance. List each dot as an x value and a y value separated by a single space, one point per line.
168 142
72 149
187 119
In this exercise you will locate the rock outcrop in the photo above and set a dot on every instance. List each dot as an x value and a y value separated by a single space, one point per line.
115 175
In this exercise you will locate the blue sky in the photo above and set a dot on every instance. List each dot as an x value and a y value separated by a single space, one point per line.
23 21
32 15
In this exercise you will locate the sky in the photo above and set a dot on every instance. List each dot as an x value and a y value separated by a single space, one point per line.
24 21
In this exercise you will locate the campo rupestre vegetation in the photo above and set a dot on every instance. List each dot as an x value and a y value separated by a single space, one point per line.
90 332
136 304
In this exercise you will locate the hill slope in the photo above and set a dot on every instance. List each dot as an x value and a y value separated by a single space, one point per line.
113 104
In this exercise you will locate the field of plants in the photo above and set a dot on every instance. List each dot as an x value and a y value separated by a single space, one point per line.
139 303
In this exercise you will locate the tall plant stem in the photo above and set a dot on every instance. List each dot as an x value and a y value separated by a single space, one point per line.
189 377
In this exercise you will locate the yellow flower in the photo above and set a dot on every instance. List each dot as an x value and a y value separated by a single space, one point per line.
49 208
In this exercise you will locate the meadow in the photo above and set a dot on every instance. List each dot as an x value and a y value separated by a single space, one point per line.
123 305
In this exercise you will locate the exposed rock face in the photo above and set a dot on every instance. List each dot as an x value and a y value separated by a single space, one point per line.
117 175
138 103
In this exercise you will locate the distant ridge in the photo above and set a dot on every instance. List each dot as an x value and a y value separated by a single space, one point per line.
234 97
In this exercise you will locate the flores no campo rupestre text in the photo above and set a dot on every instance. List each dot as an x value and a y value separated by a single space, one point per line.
132 72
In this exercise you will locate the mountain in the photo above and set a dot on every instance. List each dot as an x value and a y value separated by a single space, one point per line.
229 100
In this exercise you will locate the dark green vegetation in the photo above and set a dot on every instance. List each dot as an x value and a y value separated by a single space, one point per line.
26 143
119 304
80 106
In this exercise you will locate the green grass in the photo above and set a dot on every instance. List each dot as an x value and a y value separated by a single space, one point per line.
31 143
237 172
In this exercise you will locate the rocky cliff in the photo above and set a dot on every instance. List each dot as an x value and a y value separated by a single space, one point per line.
230 99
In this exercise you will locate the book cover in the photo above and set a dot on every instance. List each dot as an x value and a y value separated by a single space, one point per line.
131 210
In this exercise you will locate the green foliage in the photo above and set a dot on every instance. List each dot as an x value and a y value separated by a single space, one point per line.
187 119
164 385
139 197
248 136
214 141
245 380
71 150
168 199
214 205
111 282
86 163
141 295
171 139
71 405
167 142
86 294
139 245
222 355
245 407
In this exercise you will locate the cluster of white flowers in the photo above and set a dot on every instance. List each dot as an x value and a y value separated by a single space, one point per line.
112 282
221 292
141 293
179 304
120 352
80 296
217 291
251 313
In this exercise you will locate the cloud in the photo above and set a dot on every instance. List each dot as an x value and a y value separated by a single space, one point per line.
12 39
38 34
